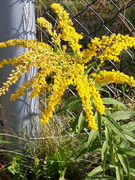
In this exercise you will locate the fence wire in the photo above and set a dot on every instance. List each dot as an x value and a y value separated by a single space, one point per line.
95 19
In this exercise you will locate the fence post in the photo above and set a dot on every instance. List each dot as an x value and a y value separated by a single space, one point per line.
17 21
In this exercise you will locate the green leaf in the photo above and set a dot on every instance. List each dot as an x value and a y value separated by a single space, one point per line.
113 101
124 162
98 121
92 136
104 154
102 177
89 67
122 115
73 123
132 163
130 136
115 127
119 172
132 167
130 126
95 171
132 172
71 104
109 137
81 121
83 149
129 151
99 88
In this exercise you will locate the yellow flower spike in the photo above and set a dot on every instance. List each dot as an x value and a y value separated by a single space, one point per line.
107 77
112 46
92 124
48 26
62 14
2 45
68 32
44 23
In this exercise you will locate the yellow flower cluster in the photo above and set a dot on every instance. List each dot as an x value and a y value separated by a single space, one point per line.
85 89
66 68
107 77
112 46
68 31
48 26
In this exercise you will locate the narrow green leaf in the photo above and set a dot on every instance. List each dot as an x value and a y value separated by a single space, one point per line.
132 163
92 136
132 172
82 149
99 88
114 126
123 143
81 120
129 151
102 177
89 67
98 121
122 115
132 167
95 171
119 172
130 136
109 137
113 101
104 154
124 162
71 104
130 126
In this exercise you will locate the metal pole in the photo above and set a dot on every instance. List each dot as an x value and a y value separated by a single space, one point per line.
20 116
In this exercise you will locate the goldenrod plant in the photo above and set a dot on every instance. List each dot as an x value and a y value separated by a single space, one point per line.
67 65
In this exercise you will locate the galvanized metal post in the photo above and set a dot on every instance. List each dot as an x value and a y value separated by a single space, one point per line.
20 116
